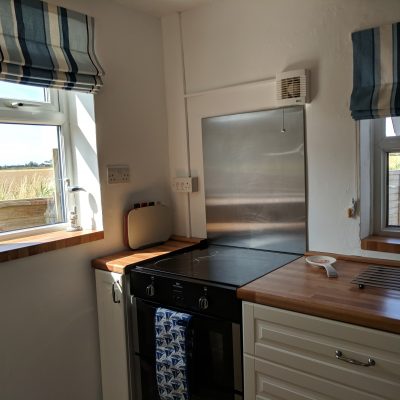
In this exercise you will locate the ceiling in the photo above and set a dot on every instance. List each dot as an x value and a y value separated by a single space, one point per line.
159 8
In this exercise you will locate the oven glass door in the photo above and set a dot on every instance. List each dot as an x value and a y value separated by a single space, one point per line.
214 361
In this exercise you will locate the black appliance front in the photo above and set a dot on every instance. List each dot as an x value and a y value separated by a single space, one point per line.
214 355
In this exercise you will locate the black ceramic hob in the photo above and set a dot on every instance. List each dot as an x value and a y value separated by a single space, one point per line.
220 264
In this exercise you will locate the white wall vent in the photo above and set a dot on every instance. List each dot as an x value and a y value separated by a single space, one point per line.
293 87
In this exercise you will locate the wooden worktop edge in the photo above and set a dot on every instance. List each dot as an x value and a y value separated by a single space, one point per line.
305 307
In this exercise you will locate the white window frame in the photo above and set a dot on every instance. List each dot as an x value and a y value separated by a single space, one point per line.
374 147
33 112
54 112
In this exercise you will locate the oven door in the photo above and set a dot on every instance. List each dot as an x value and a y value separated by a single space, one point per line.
214 362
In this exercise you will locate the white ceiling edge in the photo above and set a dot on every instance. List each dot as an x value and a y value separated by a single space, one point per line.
158 8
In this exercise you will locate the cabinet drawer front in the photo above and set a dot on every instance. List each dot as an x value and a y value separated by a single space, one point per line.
323 348
273 381
357 335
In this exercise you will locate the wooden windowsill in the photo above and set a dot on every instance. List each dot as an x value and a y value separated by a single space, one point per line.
26 246
386 244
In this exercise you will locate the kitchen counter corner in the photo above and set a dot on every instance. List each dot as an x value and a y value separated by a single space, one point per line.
117 262
299 287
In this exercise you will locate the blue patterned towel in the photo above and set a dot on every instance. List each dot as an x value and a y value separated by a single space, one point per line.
171 366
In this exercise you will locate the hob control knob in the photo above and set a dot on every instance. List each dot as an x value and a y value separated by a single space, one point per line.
203 303
150 290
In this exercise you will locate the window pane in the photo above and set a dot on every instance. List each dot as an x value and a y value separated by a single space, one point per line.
23 92
30 189
393 216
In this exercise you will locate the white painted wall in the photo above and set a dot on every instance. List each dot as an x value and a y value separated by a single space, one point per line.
48 320
231 42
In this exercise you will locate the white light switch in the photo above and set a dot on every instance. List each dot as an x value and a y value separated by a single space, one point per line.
118 173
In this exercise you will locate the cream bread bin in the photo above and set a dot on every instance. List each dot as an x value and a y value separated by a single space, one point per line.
147 226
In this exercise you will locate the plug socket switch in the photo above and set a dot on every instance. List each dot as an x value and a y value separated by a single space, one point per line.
185 185
118 174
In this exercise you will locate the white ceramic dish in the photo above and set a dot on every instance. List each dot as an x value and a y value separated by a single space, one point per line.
323 262
320 261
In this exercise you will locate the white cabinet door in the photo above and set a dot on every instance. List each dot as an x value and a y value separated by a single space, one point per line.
110 310
293 356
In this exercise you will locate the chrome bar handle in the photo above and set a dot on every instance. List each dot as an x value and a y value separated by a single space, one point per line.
341 357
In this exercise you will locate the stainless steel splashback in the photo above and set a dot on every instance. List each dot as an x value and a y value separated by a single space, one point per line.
255 180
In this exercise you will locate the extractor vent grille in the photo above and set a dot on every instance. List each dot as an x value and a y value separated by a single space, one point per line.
292 87
378 276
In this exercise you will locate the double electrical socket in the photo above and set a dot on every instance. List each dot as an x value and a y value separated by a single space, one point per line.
185 185
118 174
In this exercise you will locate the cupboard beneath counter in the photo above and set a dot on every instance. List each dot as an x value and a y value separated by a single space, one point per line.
288 355
113 351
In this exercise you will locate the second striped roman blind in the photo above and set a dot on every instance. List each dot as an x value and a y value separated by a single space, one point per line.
376 72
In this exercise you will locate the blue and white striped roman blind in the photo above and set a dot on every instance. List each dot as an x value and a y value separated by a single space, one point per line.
45 45
376 72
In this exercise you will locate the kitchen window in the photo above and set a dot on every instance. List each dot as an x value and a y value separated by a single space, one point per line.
375 103
51 49
34 141
380 177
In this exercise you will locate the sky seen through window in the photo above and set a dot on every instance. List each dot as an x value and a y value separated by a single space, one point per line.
22 144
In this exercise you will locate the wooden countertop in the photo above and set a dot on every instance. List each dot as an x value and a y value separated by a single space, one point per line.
305 289
118 261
